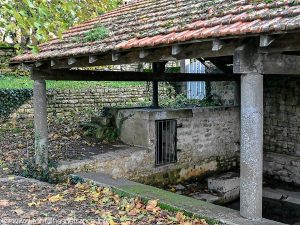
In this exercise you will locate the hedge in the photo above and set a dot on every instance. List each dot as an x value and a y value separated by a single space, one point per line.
12 99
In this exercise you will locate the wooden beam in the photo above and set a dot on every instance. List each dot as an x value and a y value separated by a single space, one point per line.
217 45
164 53
93 59
284 43
280 64
204 50
144 53
52 63
248 59
87 75
176 49
72 61
221 66
265 41
115 56
39 64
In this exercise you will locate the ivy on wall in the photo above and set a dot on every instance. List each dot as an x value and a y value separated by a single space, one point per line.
12 99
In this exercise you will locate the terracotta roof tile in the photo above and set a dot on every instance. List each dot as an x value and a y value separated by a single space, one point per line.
157 22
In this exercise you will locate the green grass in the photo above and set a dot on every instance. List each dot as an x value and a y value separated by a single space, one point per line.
26 82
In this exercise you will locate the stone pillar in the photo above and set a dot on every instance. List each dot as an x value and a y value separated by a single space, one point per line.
251 145
40 123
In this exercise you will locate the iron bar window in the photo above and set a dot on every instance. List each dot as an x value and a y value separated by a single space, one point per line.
166 142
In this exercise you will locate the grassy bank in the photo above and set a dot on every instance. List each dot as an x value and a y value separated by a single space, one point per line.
26 82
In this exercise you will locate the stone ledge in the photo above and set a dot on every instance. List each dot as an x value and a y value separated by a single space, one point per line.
189 205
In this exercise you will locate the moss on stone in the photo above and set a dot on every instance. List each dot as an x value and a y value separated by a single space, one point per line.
167 200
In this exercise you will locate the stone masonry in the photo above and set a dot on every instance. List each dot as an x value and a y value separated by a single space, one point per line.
62 103
282 128
281 125
207 139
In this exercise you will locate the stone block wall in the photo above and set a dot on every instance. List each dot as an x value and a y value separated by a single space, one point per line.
281 124
5 54
63 103
282 128
224 91
208 139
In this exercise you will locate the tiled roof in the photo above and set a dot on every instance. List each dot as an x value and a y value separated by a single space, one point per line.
158 22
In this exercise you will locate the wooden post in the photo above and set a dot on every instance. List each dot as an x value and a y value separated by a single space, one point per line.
40 123
157 67
154 94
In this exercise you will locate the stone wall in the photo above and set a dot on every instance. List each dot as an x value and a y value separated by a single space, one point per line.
282 128
224 91
5 54
208 140
63 103
281 124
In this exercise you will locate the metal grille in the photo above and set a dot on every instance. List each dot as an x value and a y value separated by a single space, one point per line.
166 140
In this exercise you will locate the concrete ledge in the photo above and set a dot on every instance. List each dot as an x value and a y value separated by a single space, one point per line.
189 205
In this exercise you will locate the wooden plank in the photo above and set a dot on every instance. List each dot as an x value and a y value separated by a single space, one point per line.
87 75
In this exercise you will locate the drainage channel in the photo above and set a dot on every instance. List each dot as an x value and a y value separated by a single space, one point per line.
278 204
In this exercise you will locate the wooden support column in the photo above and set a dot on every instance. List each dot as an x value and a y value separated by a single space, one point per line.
40 123
247 61
157 67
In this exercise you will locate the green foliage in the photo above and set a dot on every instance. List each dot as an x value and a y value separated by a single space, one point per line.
29 169
95 34
181 101
30 22
4 45
175 69
12 99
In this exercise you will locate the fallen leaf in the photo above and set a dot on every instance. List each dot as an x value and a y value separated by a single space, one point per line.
151 205
80 198
55 198
19 212
4 203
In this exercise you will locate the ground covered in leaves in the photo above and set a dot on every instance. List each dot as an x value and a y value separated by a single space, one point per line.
27 201
66 140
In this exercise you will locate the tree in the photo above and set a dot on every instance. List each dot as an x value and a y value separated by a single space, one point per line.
30 22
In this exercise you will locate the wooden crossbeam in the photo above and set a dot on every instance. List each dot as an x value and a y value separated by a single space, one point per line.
248 59
87 75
